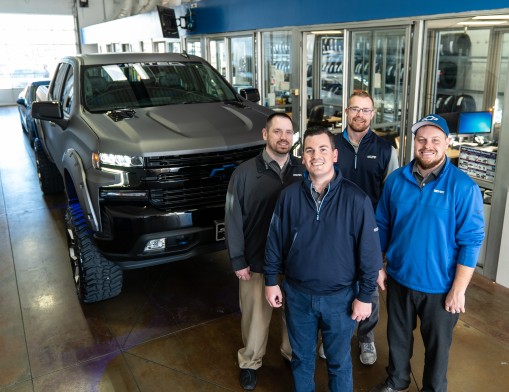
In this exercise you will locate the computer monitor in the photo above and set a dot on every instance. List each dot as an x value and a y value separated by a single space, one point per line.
475 123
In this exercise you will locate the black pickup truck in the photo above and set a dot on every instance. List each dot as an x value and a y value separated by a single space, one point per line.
143 144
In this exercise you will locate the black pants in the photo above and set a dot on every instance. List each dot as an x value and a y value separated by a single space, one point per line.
366 328
403 307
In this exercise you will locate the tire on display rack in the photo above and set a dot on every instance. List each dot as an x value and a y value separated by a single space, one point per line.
455 44
50 179
448 72
95 277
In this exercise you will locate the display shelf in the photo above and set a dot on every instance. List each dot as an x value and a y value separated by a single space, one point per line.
479 163
483 184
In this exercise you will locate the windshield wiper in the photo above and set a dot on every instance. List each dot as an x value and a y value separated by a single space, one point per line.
234 102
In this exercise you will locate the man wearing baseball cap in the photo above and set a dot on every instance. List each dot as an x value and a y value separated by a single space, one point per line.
431 225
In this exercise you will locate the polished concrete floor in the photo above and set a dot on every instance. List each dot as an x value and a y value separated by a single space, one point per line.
174 327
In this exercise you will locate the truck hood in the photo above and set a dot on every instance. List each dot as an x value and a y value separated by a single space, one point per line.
181 129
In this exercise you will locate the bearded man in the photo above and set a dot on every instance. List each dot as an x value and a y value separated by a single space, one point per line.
367 160
431 224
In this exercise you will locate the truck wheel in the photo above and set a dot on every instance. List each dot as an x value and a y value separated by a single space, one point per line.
95 277
50 179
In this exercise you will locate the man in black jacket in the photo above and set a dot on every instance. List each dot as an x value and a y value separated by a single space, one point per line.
365 159
252 193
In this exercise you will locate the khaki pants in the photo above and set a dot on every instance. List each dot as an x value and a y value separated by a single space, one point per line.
256 314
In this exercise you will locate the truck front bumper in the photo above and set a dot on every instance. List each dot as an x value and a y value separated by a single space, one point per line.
128 230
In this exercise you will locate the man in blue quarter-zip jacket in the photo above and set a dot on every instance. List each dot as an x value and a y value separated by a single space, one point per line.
365 159
323 237
431 221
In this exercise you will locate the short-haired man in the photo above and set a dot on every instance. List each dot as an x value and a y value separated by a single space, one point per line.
323 236
431 222
252 193
366 159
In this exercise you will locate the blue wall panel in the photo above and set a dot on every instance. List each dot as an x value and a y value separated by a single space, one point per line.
216 16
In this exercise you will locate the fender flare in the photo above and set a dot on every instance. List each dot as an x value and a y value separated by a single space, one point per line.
72 163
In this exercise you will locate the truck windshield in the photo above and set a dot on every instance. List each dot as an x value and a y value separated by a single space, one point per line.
115 86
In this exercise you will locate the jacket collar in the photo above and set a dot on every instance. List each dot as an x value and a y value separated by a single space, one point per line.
366 137
336 181
407 170
261 166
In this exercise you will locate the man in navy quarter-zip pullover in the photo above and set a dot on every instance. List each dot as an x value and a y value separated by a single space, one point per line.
323 236
365 159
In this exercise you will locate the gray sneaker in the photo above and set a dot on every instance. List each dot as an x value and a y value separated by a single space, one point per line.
321 353
385 388
368 353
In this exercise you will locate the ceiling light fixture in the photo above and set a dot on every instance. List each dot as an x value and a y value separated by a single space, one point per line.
334 32
482 22
492 17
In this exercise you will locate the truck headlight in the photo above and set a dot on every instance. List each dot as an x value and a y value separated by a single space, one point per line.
123 194
101 158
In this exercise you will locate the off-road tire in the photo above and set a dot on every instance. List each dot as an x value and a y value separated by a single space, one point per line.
95 277
50 179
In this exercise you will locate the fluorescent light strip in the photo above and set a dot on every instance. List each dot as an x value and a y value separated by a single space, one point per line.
491 17
336 32
482 23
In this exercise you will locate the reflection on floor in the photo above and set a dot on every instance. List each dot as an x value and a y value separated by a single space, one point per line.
174 327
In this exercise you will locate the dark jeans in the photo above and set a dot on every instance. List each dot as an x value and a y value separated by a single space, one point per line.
305 314
366 328
403 307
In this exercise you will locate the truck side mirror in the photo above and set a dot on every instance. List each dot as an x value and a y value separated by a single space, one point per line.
251 94
47 110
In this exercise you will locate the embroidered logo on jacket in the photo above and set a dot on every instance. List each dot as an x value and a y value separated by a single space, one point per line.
438 191
371 157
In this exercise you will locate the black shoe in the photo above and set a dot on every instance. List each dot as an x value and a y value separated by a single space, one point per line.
248 379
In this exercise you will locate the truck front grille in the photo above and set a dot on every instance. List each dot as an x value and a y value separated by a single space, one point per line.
184 182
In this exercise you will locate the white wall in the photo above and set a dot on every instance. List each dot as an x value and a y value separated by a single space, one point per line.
98 11
47 7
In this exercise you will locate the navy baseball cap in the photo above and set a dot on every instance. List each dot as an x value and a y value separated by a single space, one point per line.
434 120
